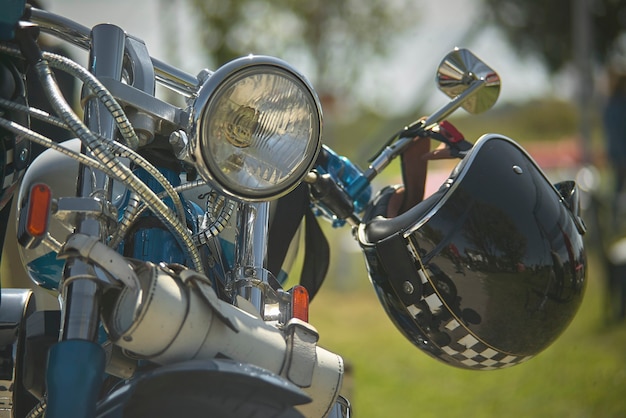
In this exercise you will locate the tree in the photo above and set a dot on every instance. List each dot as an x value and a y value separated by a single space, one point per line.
331 40
547 27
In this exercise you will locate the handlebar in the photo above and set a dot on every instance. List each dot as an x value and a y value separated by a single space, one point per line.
79 35
402 139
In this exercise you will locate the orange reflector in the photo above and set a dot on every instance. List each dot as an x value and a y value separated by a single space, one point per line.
300 303
38 210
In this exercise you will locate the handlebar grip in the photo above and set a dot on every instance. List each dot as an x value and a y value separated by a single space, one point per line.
328 192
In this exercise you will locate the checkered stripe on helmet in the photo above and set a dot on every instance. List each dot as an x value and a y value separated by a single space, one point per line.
471 352
463 347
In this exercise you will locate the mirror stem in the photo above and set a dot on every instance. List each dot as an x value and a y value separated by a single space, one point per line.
453 105
392 151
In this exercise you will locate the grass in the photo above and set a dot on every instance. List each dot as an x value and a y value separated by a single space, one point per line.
583 374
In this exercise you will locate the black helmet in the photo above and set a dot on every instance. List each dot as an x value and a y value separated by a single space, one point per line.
490 269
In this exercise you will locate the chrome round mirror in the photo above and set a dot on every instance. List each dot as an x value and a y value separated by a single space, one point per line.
461 69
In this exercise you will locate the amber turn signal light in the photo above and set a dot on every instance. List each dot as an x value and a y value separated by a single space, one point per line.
34 216
300 303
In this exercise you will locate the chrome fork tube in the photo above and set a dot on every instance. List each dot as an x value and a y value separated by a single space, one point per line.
253 228
76 363
250 276
81 310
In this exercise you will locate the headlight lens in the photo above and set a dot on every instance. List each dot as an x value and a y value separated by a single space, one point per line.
257 128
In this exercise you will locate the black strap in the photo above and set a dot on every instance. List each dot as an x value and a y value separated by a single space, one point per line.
285 222
316 257
290 210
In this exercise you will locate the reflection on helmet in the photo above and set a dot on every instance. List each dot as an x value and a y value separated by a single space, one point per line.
486 272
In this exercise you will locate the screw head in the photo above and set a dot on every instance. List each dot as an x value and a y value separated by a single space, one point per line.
408 288
23 154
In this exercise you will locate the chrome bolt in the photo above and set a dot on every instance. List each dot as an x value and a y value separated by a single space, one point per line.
23 154
204 75
408 288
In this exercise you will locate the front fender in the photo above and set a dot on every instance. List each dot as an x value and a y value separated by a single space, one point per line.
198 377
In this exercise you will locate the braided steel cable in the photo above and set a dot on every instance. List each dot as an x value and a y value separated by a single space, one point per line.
34 112
120 149
99 149
126 129
97 88
46 142
102 152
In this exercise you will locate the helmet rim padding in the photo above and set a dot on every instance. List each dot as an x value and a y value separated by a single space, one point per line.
379 227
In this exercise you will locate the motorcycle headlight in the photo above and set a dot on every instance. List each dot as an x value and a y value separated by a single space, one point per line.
256 128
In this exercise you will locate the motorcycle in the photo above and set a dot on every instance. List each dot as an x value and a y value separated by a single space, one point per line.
165 232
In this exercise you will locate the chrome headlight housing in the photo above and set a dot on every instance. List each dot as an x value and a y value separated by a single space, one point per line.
256 128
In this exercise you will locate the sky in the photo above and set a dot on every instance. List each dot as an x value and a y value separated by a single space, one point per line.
393 84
